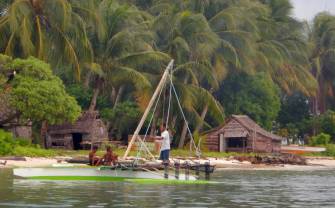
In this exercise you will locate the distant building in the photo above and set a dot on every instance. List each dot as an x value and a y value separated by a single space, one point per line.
20 129
241 134
87 130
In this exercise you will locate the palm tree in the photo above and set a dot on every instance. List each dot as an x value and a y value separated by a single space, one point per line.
44 29
236 34
123 52
188 38
322 43
282 51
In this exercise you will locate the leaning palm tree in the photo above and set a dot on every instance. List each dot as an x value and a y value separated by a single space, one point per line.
322 43
188 38
44 29
123 52
236 34
282 51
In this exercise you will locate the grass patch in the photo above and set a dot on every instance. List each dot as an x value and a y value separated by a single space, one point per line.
330 152
33 152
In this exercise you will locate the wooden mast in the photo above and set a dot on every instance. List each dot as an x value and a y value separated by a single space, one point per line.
147 110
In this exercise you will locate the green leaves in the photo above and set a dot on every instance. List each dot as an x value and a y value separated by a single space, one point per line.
45 29
255 95
39 95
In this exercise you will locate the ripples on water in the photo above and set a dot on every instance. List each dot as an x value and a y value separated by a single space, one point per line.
236 189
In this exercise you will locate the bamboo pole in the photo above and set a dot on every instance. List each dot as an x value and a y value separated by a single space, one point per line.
147 110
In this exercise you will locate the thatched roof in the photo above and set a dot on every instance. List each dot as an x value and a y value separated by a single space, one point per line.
248 124
82 125
253 126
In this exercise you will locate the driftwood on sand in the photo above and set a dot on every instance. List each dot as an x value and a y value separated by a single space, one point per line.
274 159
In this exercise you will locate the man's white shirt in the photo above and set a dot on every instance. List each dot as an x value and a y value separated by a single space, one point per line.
166 140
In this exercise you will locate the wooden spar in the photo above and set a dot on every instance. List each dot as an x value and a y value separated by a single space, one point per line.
146 112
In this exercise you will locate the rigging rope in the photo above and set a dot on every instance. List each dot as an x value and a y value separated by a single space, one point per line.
171 89
169 104
198 153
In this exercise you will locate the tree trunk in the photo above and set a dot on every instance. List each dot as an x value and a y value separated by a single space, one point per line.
183 136
321 96
118 96
173 122
43 133
203 115
94 99
87 79
153 126
113 95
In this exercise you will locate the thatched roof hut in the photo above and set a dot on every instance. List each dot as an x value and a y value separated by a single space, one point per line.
87 130
241 134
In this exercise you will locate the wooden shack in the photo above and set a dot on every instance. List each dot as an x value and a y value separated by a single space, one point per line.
241 134
20 129
87 130
9 119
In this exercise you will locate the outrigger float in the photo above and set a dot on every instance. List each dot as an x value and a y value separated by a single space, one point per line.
132 171
119 173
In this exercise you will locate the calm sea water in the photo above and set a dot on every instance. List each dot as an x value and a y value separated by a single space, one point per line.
236 189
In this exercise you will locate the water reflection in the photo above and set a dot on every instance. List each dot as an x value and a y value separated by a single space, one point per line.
238 189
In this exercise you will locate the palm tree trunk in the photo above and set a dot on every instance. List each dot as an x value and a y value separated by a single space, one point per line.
182 136
94 99
203 115
119 96
153 126
173 122
87 79
184 130
113 95
322 96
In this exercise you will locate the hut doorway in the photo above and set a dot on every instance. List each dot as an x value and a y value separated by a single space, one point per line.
77 139
237 143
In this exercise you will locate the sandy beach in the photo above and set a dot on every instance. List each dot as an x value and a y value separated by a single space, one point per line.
220 163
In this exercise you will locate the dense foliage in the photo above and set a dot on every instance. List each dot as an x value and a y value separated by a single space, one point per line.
35 93
321 139
231 57
255 96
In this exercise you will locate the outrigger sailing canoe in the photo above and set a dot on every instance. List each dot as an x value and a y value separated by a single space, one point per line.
101 174
121 172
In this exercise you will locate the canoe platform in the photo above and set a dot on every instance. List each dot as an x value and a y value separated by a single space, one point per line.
299 150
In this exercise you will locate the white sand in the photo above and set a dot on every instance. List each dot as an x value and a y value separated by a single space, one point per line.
30 162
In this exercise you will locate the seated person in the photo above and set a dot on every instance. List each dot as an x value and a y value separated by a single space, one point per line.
93 159
109 158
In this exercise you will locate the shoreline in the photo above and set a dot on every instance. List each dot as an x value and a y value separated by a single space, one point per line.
313 163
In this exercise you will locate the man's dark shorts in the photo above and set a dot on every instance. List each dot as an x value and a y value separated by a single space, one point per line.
164 155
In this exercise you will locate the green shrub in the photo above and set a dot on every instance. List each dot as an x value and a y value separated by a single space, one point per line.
33 152
330 150
21 147
321 139
7 143
23 142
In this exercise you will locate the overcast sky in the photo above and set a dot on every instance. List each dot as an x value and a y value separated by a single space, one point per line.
307 9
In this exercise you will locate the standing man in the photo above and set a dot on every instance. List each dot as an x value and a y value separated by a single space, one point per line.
165 147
